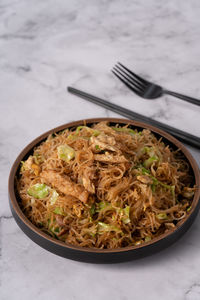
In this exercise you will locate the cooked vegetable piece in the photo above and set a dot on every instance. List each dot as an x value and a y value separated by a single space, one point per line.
92 209
125 129
103 206
150 151
148 162
144 171
65 152
38 190
162 216
153 187
103 227
22 168
147 239
124 213
59 211
91 130
54 227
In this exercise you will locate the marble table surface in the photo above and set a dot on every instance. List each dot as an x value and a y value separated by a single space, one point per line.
47 45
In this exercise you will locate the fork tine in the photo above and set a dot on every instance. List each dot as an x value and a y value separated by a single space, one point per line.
126 83
129 79
135 75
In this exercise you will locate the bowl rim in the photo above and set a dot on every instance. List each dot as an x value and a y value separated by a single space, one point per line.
40 138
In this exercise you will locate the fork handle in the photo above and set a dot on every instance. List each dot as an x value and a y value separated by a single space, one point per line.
183 97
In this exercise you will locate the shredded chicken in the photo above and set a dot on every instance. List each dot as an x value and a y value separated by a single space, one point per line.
103 142
86 178
28 163
88 185
59 220
169 225
65 185
110 158
103 127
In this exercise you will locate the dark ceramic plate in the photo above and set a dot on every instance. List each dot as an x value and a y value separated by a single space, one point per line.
103 255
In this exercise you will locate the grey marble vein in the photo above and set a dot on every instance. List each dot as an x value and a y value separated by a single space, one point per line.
47 45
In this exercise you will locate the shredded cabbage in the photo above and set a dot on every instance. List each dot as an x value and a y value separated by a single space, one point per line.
103 227
162 216
103 206
65 152
124 213
59 211
93 131
125 129
148 162
38 190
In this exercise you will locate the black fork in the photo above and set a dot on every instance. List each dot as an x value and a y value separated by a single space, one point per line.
144 88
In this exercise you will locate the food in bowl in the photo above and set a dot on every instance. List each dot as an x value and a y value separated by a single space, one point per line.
105 186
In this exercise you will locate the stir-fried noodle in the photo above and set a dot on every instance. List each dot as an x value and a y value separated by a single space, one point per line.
105 187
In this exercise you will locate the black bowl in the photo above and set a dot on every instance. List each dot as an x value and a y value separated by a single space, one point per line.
103 255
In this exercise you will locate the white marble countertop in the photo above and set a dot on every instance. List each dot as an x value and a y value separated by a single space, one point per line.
47 45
